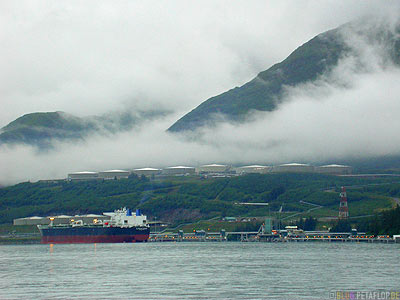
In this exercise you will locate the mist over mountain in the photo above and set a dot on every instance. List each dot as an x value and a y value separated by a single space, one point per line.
310 62
332 100
43 129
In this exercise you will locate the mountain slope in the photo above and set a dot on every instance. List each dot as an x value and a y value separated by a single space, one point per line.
183 199
264 93
43 128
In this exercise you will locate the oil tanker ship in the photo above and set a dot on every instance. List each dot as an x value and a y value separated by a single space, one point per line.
122 227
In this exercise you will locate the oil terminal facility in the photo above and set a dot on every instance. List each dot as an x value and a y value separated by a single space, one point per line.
212 170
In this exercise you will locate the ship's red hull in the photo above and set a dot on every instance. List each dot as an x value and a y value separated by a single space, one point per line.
76 239
93 234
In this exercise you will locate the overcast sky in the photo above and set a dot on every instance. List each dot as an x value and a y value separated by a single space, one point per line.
91 57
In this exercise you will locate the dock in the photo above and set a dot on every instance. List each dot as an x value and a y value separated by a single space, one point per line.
257 236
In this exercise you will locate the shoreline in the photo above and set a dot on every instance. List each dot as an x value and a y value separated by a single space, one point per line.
37 240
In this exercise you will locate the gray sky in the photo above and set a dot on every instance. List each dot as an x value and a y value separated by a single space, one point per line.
90 57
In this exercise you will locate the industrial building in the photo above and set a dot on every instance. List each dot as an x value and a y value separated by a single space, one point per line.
179 170
213 168
31 221
114 174
62 219
85 175
253 169
334 169
294 168
147 171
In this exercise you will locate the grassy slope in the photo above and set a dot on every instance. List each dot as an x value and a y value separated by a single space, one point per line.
56 120
40 129
316 57
187 199
263 92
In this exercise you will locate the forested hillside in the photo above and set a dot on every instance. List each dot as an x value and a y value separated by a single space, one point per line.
307 63
264 92
181 199
42 129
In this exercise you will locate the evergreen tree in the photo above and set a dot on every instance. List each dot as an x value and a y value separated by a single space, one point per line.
341 226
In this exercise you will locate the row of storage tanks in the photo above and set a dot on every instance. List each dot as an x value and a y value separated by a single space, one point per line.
296 168
213 169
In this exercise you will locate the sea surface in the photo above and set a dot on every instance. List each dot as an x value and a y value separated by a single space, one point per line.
227 270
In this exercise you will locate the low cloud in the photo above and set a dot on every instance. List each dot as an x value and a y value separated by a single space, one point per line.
357 122
90 57
345 114
347 123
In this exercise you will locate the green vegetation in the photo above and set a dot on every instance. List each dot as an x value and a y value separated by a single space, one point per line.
40 129
56 120
26 234
386 222
311 60
308 224
181 200
265 91
218 225
341 226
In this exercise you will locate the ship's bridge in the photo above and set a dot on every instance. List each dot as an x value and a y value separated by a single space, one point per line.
125 218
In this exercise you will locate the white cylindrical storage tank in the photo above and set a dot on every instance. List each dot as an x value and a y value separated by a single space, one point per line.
253 169
335 169
179 170
214 168
146 171
294 168
114 174
31 221
85 175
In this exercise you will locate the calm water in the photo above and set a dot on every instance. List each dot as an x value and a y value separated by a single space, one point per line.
196 270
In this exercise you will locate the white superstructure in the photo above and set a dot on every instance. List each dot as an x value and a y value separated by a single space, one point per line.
125 218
